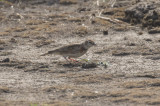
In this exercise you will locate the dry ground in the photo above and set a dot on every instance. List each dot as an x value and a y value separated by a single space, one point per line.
131 76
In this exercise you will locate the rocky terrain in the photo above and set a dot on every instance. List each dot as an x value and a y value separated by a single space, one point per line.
123 69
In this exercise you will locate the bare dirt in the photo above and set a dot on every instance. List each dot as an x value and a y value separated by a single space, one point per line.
130 69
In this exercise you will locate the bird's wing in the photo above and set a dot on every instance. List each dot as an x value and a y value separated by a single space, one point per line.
69 48
65 50
49 52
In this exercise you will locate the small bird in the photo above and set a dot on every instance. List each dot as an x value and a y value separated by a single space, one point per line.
72 51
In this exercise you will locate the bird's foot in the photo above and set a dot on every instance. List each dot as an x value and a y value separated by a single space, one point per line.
73 60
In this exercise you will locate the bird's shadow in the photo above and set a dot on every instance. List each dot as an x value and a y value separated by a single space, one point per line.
85 65
70 65
82 65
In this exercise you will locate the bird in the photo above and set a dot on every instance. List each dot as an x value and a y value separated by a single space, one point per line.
73 50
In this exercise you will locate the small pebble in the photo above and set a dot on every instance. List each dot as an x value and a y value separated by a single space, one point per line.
105 32
6 60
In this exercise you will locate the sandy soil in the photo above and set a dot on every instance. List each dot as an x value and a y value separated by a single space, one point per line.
130 69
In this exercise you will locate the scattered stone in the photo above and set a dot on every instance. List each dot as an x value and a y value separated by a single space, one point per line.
6 60
140 33
149 40
1 48
154 30
93 22
21 66
146 76
120 53
4 53
105 32
83 9
4 89
13 40
131 44
43 66
153 57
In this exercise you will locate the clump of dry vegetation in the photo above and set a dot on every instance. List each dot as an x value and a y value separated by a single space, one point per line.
61 88
121 93
60 103
68 2
75 19
82 30
102 22
117 13
136 95
43 42
154 101
16 29
87 94
34 22
4 33
2 42
87 79
4 89
141 84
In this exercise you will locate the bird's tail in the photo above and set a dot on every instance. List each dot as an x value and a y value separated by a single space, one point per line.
44 54
49 52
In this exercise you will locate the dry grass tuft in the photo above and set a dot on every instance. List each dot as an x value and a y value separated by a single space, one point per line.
34 22
60 88
93 79
154 30
75 19
82 30
74 91
4 89
17 29
68 2
87 94
121 28
102 22
60 103
121 93
115 12
43 42
53 16
2 42
153 101
120 99
29 33
135 84
138 95
52 30
142 84
4 33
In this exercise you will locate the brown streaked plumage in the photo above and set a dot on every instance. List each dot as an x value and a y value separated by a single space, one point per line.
72 51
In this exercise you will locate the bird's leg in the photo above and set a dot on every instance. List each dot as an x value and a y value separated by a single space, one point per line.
73 60
67 59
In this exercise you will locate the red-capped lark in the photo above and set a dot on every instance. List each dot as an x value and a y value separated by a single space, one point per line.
72 51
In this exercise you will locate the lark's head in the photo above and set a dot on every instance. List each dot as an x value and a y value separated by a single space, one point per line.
88 43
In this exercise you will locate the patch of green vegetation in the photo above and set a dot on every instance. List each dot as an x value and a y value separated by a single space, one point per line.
35 104
5 1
